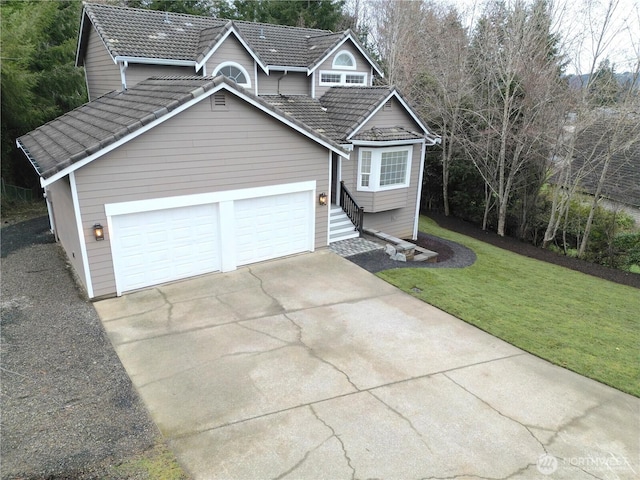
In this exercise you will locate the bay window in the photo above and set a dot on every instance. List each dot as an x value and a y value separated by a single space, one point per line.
384 168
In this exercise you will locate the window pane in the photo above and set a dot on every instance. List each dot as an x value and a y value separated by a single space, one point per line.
234 73
365 168
330 78
343 60
393 168
354 79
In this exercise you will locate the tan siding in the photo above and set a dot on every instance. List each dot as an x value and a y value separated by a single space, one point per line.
103 75
398 223
362 66
232 50
137 72
238 148
293 83
59 194
397 116
391 211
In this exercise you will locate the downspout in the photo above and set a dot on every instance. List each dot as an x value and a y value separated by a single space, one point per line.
419 199
123 77
255 76
281 77
49 202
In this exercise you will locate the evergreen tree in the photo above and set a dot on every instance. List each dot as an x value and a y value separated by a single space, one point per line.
191 7
323 14
604 89
39 77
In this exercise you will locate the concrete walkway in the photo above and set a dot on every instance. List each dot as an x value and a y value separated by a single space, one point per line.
311 367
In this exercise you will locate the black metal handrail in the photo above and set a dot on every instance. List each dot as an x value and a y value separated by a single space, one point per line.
351 208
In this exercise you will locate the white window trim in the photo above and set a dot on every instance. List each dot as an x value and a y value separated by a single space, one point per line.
344 67
239 67
376 164
343 75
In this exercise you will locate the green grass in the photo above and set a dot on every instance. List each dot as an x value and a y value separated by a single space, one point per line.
577 321
157 463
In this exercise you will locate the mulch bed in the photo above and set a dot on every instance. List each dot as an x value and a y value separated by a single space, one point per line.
528 250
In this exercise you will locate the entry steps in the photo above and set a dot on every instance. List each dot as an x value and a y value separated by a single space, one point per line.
340 227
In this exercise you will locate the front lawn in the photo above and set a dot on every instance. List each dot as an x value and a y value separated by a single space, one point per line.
583 323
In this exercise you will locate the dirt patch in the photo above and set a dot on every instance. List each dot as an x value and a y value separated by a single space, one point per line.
444 251
528 250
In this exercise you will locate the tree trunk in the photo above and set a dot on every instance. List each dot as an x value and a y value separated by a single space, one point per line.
594 205
446 147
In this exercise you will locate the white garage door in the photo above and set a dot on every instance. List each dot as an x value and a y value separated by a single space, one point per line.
161 246
273 226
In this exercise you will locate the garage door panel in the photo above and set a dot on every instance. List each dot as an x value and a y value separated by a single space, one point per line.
161 246
274 226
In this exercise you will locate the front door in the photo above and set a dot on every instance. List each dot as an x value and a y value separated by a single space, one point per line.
335 179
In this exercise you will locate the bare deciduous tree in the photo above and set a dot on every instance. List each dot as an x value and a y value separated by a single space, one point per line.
514 108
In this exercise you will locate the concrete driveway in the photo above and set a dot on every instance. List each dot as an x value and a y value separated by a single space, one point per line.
310 367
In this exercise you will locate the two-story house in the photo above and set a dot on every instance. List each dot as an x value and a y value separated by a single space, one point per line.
208 144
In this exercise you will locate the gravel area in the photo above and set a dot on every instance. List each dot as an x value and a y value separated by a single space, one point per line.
69 409
450 255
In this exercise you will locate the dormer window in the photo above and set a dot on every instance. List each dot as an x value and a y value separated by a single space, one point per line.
234 72
332 78
344 60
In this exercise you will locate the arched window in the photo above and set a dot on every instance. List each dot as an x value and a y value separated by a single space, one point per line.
345 60
234 72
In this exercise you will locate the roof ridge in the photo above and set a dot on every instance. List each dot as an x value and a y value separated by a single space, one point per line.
278 25
146 10
190 15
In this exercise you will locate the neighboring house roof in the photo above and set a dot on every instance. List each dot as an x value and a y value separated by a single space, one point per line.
622 183
172 37
91 129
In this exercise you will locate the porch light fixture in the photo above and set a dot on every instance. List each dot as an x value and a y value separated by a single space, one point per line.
98 231
322 199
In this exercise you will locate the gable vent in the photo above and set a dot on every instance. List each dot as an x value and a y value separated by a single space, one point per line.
387 106
219 100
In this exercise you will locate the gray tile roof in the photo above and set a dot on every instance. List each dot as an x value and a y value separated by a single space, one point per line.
306 109
348 107
140 33
94 126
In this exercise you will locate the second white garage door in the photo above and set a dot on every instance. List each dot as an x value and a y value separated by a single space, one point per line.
273 226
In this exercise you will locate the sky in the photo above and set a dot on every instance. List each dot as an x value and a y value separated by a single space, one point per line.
578 21
621 43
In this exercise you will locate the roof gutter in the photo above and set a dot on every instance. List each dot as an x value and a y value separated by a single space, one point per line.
282 68
386 143
31 160
156 61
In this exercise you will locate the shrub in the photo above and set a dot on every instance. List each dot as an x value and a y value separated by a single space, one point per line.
626 251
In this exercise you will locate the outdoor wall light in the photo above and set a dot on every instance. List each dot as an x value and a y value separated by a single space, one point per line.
322 199
98 231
